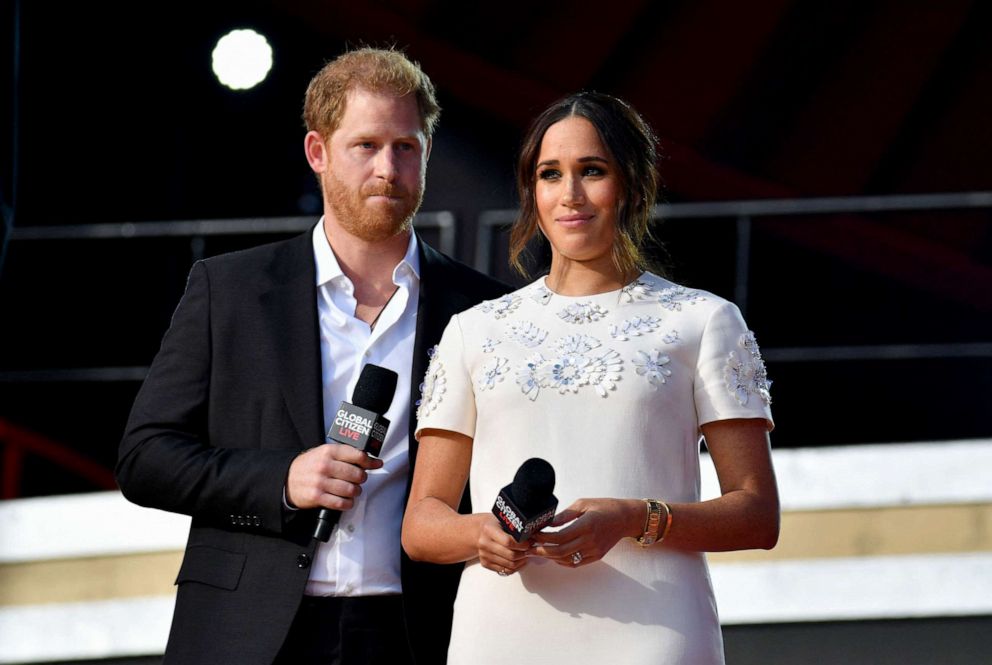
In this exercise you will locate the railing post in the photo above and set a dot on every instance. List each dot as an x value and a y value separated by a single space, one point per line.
197 247
13 461
742 264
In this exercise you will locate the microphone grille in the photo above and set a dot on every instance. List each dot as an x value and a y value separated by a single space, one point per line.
375 389
533 484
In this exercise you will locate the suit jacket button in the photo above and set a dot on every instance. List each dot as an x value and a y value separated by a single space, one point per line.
303 561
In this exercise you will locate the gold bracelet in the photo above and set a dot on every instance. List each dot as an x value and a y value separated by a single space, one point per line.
651 523
668 522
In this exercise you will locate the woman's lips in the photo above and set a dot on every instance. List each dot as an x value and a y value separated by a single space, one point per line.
574 220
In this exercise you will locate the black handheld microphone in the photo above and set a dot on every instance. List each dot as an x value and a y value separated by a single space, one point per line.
360 425
525 506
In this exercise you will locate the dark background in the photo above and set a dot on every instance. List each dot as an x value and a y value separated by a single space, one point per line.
113 115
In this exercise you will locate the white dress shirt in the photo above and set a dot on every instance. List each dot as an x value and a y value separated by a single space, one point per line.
362 557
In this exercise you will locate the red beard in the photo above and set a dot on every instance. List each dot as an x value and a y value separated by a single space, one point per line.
369 221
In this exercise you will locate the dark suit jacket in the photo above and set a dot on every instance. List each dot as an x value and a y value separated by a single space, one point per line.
233 395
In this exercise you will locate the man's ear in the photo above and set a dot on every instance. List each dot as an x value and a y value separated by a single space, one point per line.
316 151
427 155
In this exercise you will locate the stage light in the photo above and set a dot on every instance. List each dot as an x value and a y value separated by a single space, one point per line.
241 59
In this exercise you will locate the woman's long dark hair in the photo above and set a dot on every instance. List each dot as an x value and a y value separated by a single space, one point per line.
632 146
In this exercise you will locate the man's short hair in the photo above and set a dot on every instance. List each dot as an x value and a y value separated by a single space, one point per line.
376 70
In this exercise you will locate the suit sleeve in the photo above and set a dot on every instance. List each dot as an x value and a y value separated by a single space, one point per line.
166 459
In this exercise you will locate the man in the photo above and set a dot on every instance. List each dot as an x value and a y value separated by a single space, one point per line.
229 426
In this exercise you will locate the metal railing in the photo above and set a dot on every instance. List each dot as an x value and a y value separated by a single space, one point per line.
495 222
197 230
16 443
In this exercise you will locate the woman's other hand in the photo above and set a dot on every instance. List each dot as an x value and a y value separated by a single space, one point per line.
594 526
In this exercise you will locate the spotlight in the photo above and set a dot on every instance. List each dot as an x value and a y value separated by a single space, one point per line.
241 59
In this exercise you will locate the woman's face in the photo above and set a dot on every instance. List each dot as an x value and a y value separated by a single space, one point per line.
577 191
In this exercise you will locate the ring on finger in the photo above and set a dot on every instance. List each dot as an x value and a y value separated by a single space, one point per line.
502 572
577 558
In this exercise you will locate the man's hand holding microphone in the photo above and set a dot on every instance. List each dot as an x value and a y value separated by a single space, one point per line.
330 476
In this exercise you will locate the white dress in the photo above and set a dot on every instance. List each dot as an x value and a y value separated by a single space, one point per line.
611 389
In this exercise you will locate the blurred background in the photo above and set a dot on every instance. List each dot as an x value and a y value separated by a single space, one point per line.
828 166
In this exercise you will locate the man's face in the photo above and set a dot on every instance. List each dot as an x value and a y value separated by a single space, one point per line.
373 179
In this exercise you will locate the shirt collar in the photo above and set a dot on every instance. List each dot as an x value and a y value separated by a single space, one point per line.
327 263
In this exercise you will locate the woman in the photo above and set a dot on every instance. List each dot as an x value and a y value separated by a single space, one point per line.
611 374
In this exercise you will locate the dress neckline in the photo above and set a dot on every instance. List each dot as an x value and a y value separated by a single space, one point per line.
542 285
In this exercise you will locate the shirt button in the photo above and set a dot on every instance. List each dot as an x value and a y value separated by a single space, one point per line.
351 528
303 561
368 353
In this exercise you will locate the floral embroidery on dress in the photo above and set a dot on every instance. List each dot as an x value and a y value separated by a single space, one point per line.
433 387
506 305
671 338
746 374
583 312
489 345
652 365
527 378
542 295
673 297
572 368
485 306
492 373
634 327
605 372
575 344
750 344
638 290
565 373
526 334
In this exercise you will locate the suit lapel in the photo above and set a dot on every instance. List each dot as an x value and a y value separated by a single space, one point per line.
433 312
290 306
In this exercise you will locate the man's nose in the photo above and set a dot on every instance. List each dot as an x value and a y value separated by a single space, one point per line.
385 164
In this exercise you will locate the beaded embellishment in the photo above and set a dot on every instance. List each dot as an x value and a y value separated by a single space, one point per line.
505 305
527 376
433 387
542 295
574 367
634 327
583 312
492 373
526 334
638 290
745 372
673 297
652 366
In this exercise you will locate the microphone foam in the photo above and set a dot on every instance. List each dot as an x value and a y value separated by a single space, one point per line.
375 389
533 484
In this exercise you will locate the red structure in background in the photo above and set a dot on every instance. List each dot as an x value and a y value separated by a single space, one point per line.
18 442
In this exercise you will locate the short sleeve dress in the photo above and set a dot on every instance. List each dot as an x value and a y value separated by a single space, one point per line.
611 389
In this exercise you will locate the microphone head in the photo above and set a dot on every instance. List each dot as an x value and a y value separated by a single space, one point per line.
533 484
375 389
